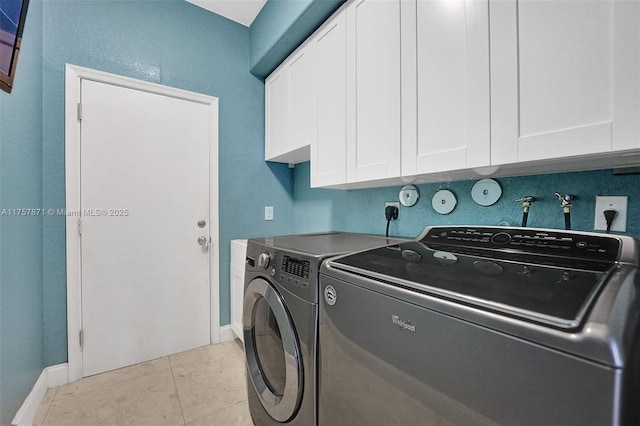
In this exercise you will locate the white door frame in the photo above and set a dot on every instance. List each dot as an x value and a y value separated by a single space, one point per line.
73 77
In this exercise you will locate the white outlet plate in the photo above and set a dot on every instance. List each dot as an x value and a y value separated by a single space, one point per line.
393 203
611 203
268 212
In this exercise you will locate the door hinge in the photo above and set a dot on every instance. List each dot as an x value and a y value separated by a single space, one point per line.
81 337
79 112
80 227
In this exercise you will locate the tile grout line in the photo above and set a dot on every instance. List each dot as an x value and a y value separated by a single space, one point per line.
175 385
44 419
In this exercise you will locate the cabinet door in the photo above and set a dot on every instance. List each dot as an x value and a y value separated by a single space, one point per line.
302 102
290 108
626 75
276 140
373 90
561 74
452 62
329 148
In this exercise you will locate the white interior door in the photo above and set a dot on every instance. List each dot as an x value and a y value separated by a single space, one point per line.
144 186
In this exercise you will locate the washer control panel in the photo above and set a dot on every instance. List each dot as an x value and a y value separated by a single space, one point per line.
290 271
295 266
286 269
294 272
535 241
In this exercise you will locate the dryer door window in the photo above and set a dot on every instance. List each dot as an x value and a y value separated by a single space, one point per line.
272 350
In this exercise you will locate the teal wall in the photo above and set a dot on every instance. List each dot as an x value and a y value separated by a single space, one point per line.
281 26
21 305
363 210
177 44
170 42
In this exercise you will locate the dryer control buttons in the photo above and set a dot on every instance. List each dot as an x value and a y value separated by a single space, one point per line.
263 260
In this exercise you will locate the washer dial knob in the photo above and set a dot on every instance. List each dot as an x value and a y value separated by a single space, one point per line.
501 238
263 260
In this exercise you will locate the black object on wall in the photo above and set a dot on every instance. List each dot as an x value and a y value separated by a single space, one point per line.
12 17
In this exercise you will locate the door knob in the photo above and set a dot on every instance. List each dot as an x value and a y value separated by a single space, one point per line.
204 244
202 223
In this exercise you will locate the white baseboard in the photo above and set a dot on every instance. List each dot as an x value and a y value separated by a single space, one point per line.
237 331
56 375
226 333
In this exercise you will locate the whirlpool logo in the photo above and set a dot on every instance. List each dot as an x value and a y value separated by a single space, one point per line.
402 324
330 295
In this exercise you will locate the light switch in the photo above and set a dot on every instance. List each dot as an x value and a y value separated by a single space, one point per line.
268 212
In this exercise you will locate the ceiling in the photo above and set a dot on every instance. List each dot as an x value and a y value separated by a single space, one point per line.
242 11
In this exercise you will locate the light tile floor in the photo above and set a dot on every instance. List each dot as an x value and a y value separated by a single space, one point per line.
203 386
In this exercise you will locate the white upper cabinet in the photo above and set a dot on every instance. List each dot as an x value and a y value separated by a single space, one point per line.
302 100
373 90
564 78
329 149
626 74
389 91
276 138
290 108
449 55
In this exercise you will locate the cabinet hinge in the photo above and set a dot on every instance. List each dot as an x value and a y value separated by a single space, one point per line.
80 227
79 112
81 337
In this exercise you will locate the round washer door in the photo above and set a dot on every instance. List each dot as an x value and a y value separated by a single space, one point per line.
272 350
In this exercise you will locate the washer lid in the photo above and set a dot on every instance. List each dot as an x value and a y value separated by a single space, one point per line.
550 295
544 276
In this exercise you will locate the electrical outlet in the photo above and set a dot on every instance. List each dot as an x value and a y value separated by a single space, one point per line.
618 204
268 212
396 204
